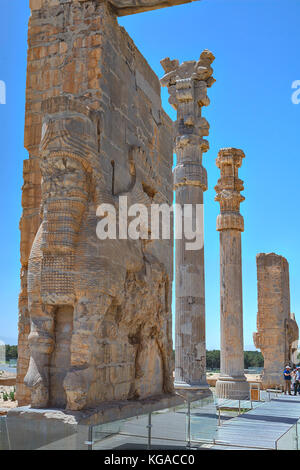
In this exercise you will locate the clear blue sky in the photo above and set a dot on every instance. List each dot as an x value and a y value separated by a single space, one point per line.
256 44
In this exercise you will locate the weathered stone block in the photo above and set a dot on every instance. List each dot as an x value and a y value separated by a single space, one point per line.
99 312
277 330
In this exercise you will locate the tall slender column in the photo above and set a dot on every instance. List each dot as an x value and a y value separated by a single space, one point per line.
230 223
187 85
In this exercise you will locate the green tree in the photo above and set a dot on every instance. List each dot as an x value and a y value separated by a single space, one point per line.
251 359
213 359
11 352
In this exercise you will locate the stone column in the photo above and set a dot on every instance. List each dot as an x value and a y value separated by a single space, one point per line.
187 85
230 223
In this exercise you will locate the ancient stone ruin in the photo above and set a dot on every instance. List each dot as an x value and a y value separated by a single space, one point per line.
187 85
95 320
277 330
294 345
95 317
230 223
128 7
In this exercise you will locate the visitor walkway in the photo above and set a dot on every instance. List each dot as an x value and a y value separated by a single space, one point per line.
272 425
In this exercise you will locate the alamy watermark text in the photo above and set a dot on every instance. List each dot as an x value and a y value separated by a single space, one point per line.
154 222
296 93
2 92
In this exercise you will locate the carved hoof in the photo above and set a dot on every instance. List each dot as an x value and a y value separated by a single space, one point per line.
39 397
76 400
76 385
168 385
38 386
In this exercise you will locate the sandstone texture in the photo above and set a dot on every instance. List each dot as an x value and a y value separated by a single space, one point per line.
187 85
120 7
94 316
277 330
128 7
230 223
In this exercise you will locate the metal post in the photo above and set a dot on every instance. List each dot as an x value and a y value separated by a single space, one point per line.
8 436
90 438
239 407
149 427
189 425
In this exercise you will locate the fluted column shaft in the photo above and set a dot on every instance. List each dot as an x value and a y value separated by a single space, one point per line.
232 347
232 381
190 345
187 85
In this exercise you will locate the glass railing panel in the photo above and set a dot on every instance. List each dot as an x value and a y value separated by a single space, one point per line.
4 445
298 434
131 433
203 420
161 429
37 431
79 439
288 441
121 442
168 444
170 425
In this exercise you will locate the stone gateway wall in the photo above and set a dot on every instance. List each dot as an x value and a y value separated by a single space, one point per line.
277 330
98 313
120 7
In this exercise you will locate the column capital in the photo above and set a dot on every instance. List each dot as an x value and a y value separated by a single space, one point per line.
188 71
228 189
187 85
230 156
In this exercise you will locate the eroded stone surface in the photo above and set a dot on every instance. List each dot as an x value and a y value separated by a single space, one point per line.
187 85
277 330
121 7
94 130
230 223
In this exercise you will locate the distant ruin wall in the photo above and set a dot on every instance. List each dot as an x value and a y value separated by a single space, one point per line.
276 329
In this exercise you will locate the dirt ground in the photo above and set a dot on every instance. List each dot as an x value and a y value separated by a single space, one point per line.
5 405
213 377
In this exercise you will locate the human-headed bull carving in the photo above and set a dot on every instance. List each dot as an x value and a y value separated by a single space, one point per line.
99 310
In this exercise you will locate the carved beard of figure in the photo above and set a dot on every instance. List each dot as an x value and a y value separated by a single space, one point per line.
65 194
66 189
